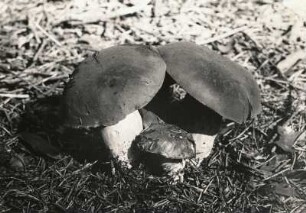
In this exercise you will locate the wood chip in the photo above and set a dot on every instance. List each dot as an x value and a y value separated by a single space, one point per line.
290 61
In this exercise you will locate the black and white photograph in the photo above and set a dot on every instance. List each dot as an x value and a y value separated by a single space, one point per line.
153 106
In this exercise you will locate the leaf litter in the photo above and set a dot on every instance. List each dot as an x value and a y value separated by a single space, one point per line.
255 167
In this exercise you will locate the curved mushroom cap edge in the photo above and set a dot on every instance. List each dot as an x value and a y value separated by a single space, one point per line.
213 80
110 84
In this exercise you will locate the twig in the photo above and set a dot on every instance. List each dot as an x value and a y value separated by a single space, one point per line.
8 95
277 174
48 34
39 51
225 35
129 10
93 16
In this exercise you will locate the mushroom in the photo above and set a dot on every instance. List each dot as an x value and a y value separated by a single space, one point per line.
106 91
216 87
163 149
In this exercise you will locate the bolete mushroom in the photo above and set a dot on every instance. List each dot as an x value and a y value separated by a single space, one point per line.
163 149
216 87
106 91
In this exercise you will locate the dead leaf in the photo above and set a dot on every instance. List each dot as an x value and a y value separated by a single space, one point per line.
287 138
297 31
298 174
40 145
17 163
227 47
285 190
291 60
297 6
300 209
93 40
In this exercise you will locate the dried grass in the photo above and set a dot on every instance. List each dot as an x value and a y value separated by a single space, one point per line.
42 42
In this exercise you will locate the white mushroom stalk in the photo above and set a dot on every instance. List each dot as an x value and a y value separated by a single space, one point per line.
105 90
118 137
204 145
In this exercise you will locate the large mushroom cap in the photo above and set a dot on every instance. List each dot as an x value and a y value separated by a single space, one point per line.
111 84
213 80
166 140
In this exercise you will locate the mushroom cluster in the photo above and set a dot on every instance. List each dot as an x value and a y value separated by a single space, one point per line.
158 106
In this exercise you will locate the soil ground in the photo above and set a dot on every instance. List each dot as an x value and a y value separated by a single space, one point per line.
259 166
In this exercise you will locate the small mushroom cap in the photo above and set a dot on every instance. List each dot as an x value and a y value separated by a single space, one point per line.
213 80
168 141
111 84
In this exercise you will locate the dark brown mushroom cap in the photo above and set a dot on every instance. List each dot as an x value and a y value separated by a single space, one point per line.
213 80
166 140
111 84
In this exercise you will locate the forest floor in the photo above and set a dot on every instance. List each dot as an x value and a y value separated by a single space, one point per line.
259 166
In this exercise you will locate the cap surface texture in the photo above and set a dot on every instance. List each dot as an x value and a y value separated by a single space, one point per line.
112 83
213 80
166 140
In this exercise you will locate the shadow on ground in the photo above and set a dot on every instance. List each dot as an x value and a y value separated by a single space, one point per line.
41 132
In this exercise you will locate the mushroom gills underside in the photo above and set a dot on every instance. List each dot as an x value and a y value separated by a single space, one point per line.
118 138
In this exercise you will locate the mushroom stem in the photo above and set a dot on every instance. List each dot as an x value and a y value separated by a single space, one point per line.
204 145
118 137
